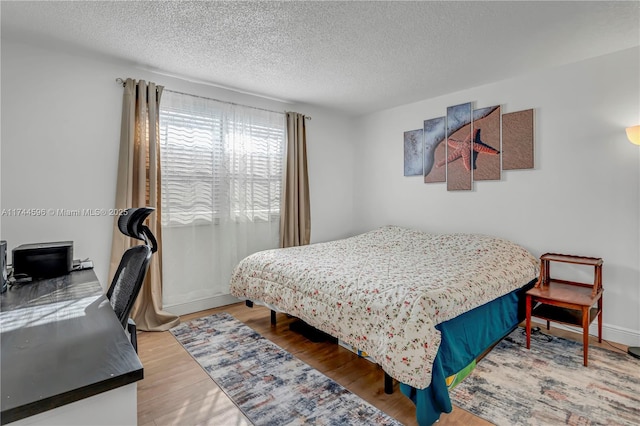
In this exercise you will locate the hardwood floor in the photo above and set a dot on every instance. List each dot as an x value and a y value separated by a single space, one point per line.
177 391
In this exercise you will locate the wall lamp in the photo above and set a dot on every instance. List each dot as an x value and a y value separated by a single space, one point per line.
633 133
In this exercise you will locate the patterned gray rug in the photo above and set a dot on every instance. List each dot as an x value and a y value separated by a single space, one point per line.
268 384
548 385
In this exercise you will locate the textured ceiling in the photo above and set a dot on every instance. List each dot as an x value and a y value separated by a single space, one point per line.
356 57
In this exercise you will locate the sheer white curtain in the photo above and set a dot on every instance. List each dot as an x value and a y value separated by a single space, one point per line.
221 186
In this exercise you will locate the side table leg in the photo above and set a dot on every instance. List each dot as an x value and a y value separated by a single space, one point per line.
600 319
585 334
528 325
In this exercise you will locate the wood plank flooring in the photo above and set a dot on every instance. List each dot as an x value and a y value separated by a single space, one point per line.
177 391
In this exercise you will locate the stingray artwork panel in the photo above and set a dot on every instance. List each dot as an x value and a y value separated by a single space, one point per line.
434 150
413 149
469 145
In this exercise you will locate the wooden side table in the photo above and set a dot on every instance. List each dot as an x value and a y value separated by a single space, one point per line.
566 302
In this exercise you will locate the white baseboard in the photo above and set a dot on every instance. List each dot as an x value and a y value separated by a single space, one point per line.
610 333
201 304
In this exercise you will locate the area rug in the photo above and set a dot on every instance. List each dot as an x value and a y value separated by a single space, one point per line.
268 384
548 385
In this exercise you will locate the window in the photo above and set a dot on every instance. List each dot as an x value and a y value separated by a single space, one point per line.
219 161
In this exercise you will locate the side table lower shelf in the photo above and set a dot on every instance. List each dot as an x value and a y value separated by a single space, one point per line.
563 315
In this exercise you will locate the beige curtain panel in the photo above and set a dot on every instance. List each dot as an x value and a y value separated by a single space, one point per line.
138 185
295 214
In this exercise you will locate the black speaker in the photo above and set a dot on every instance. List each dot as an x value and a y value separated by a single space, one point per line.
3 265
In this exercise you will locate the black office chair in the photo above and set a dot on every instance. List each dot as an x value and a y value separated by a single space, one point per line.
133 267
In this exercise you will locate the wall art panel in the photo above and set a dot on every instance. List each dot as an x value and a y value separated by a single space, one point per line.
485 156
517 140
434 149
458 160
413 150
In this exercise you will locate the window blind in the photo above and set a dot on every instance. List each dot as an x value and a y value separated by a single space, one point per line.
219 161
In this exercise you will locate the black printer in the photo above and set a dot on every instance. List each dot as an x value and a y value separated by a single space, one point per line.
43 260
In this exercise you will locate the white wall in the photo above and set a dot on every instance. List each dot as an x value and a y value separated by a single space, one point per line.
60 133
583 197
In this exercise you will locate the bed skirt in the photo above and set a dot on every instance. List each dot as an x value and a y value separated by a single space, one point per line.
464 339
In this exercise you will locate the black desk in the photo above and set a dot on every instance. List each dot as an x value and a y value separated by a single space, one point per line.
60 343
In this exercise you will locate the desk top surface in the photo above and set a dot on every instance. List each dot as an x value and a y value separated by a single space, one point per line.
60 342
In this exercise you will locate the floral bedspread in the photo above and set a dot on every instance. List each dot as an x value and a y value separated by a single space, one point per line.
384 291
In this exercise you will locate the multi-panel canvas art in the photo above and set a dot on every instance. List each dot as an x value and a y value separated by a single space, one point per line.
469 145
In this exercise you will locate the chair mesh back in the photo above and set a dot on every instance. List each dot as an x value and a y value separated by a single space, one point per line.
128 281
129 277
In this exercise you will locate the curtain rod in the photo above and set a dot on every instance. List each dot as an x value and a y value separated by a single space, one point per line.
121 81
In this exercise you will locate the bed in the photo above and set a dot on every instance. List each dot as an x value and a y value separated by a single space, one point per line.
424 306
